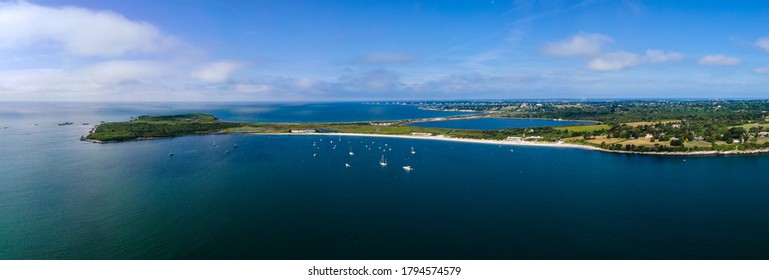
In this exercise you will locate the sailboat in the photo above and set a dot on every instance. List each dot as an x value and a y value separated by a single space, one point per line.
351 153
214 143
408 168
412 151
171 153
347 165
383 161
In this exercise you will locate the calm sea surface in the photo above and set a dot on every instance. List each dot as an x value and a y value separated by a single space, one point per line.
270 198
496 123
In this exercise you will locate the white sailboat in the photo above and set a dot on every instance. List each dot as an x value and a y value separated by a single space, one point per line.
347 165
412 151
351 153
408 168
383 161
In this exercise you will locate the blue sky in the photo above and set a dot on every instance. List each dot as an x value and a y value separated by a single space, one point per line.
381 50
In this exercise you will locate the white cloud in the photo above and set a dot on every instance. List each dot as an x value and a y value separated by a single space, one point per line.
761 70
655 56
577 45
385 58
763 43
720 60
77 31
95 79
216 72
614 61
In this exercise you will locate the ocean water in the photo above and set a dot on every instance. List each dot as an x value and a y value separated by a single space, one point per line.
496 123
270 198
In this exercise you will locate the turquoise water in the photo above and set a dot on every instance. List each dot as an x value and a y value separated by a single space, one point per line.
496 123
270 198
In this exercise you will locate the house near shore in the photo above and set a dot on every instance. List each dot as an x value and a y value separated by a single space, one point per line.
533 138
303 131
514 139
382 123
648 136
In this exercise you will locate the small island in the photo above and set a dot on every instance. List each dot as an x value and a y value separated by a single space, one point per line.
643 127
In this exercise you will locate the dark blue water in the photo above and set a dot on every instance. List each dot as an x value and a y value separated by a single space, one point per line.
270 198
496 123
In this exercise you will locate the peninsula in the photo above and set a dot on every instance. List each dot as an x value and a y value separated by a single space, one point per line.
644 127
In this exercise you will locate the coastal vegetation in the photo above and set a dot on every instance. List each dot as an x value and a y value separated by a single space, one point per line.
629 126
158 126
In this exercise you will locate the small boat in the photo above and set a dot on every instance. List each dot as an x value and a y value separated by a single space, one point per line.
383 161
412 151
313 155
214 144
351 153
347 165
235 145
408 168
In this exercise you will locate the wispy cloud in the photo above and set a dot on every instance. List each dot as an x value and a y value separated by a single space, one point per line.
577 45
386 58
656 56
622 60
763 43
761 70
376 80
77 31
614 61
719 60
216 72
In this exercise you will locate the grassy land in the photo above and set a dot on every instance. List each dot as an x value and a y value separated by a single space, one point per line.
651 123
583 128
747 127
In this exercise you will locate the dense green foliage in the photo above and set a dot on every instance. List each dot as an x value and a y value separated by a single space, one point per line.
159 126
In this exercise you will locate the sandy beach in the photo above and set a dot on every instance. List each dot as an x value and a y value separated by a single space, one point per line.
443 138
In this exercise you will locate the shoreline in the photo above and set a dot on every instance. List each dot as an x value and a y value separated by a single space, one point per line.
473 141
443 138
535 144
